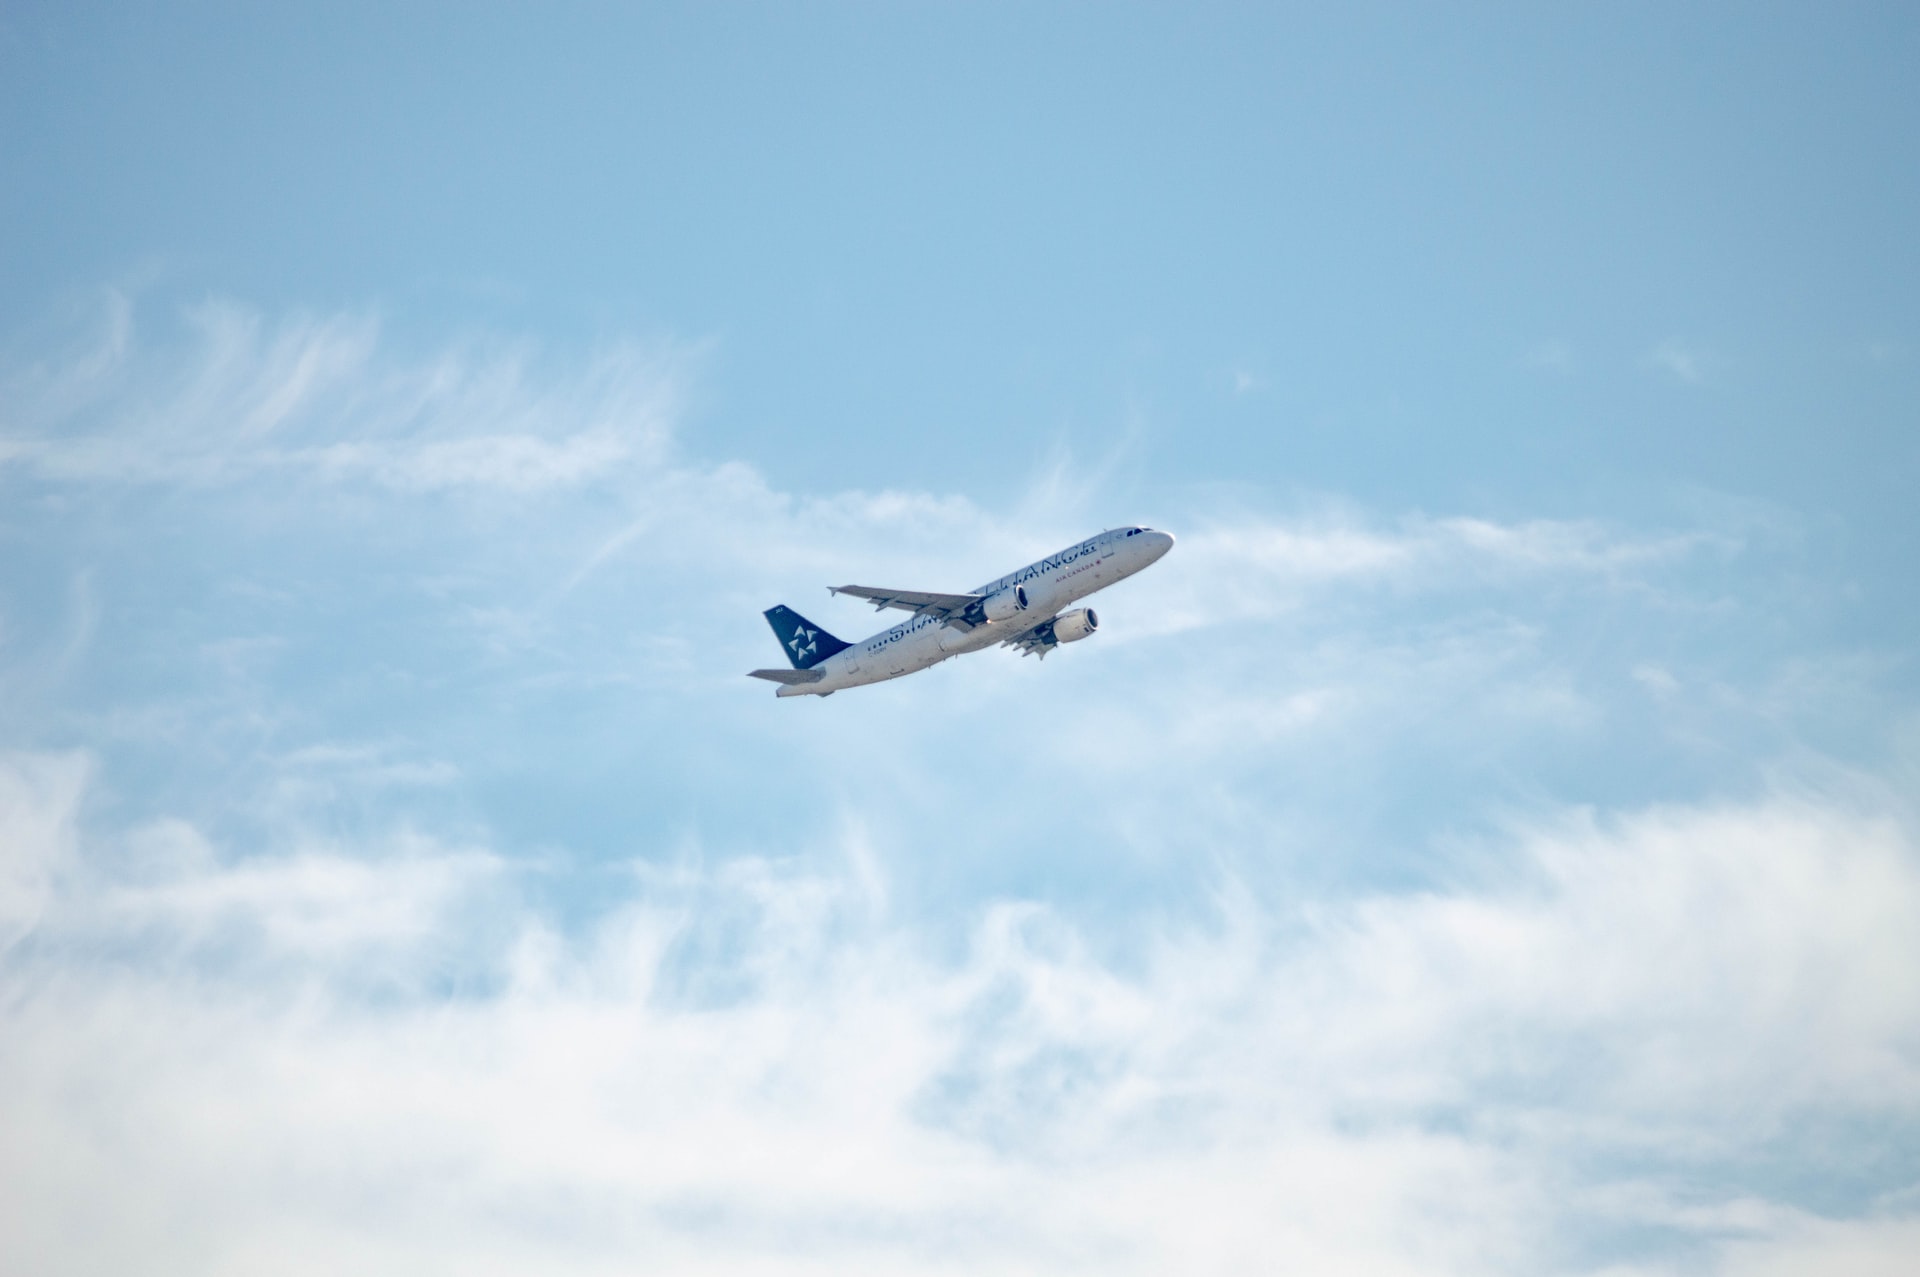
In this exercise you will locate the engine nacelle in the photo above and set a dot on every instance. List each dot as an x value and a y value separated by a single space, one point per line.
1071 627
1004 605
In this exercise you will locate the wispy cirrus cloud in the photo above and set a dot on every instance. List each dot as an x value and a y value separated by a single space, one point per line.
1264 565
230 396
1679 359
1553 356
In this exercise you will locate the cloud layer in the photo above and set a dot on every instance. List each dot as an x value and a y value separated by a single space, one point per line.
215 1064
396 872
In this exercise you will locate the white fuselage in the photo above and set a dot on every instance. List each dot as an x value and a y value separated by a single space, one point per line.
1052 584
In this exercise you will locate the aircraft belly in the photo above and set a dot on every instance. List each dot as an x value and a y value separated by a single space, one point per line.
973 640
913 653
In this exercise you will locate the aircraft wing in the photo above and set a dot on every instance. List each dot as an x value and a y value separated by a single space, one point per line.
1035 640
948 607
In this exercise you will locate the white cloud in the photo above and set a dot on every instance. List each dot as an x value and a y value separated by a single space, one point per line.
369 1051
513 462
38 794
1795 1244
1679 359
1553 356
235 398
324 401
1710 967
314 901
1419 1084
1263 566
1656 679
1560 545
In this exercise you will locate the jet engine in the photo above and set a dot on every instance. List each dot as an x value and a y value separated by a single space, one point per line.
1005 604
1071 627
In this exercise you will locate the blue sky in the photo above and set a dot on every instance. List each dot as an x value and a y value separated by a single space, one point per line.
1486 844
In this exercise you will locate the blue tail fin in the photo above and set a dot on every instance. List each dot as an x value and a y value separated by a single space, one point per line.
806 643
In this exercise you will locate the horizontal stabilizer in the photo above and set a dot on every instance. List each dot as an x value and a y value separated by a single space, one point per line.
789 677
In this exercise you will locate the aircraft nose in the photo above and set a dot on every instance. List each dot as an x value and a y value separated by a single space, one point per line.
1162 542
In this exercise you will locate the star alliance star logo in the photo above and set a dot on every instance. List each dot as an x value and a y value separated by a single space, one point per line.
802 642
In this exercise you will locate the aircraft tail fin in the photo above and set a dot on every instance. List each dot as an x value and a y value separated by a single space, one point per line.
806 643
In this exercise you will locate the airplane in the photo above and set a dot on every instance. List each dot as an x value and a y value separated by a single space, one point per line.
1022 609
